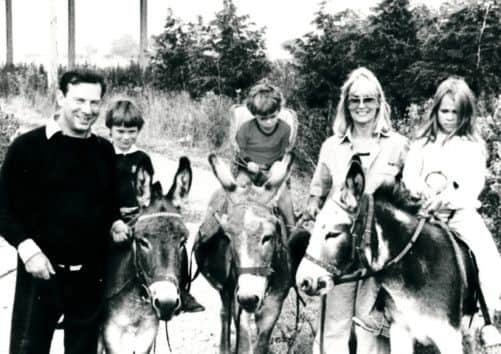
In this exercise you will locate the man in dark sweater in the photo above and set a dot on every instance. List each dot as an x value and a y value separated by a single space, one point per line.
57 207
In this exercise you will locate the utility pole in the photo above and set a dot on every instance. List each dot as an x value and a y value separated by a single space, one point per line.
8 23
52 65
71 34
143 32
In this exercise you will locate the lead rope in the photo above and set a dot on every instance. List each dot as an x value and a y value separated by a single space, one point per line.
323 308
167 337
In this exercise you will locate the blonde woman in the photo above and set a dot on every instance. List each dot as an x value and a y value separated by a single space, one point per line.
361 126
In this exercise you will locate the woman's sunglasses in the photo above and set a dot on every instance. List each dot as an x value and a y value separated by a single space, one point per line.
369 101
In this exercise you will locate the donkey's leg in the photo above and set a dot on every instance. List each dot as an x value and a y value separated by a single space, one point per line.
265 321
243 330
117 340
401 341
448 339
146 335
226 304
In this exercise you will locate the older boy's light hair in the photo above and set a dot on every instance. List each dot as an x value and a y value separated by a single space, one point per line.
264 99
343 120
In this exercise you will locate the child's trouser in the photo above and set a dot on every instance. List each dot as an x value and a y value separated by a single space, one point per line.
470 225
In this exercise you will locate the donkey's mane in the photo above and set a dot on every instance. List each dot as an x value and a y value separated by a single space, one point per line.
399 196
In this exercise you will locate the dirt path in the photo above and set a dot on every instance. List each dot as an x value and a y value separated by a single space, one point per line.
189 333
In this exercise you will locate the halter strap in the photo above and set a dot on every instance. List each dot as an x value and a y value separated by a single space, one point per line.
156 215
366 271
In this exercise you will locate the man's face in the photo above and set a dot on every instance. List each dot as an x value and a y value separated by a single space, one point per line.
79 108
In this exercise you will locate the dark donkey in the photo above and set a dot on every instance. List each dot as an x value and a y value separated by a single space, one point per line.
419 265
248 259
144 274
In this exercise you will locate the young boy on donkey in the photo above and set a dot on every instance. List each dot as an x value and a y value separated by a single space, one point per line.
262 133
125 122
263 137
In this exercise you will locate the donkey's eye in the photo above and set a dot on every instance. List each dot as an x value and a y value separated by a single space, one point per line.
266 238
144 243
332 235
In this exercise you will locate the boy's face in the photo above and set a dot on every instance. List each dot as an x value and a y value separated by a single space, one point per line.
268 122
124 137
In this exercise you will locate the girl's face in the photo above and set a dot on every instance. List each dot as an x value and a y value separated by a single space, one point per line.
447 114
363 102
124 137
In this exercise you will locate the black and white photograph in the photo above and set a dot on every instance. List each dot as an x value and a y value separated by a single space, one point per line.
250 177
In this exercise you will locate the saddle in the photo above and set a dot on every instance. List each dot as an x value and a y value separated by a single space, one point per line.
467 266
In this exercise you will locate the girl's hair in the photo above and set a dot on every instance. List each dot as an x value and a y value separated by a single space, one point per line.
264 99
343 120
465 107
124 113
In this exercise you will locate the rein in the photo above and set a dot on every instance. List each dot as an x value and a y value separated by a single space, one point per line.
140 274
359 243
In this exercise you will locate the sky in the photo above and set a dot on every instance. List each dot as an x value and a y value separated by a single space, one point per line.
100 22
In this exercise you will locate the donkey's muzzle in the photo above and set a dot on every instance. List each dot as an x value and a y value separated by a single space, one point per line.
165 299
306 285
248 302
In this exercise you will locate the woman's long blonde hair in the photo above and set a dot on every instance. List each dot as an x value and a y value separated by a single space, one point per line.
343 120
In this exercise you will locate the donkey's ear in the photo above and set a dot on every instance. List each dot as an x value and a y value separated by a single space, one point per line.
142 186
182 182
355 178
223 173
279 172
156 191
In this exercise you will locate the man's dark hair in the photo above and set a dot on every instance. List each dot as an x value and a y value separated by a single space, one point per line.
74 77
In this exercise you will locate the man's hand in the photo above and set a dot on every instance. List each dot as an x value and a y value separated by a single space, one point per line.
120 231
39 266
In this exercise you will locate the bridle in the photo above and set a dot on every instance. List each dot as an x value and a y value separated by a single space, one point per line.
265 269
141 275
360 240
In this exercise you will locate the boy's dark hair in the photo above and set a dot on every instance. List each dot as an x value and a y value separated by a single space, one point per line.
74 77
264 99
124 113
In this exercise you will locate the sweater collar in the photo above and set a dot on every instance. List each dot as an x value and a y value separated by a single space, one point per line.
52 127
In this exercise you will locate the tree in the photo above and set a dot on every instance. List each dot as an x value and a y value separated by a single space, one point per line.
325 56
224 56
241 53
390 48
179 58
125 47
462 39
